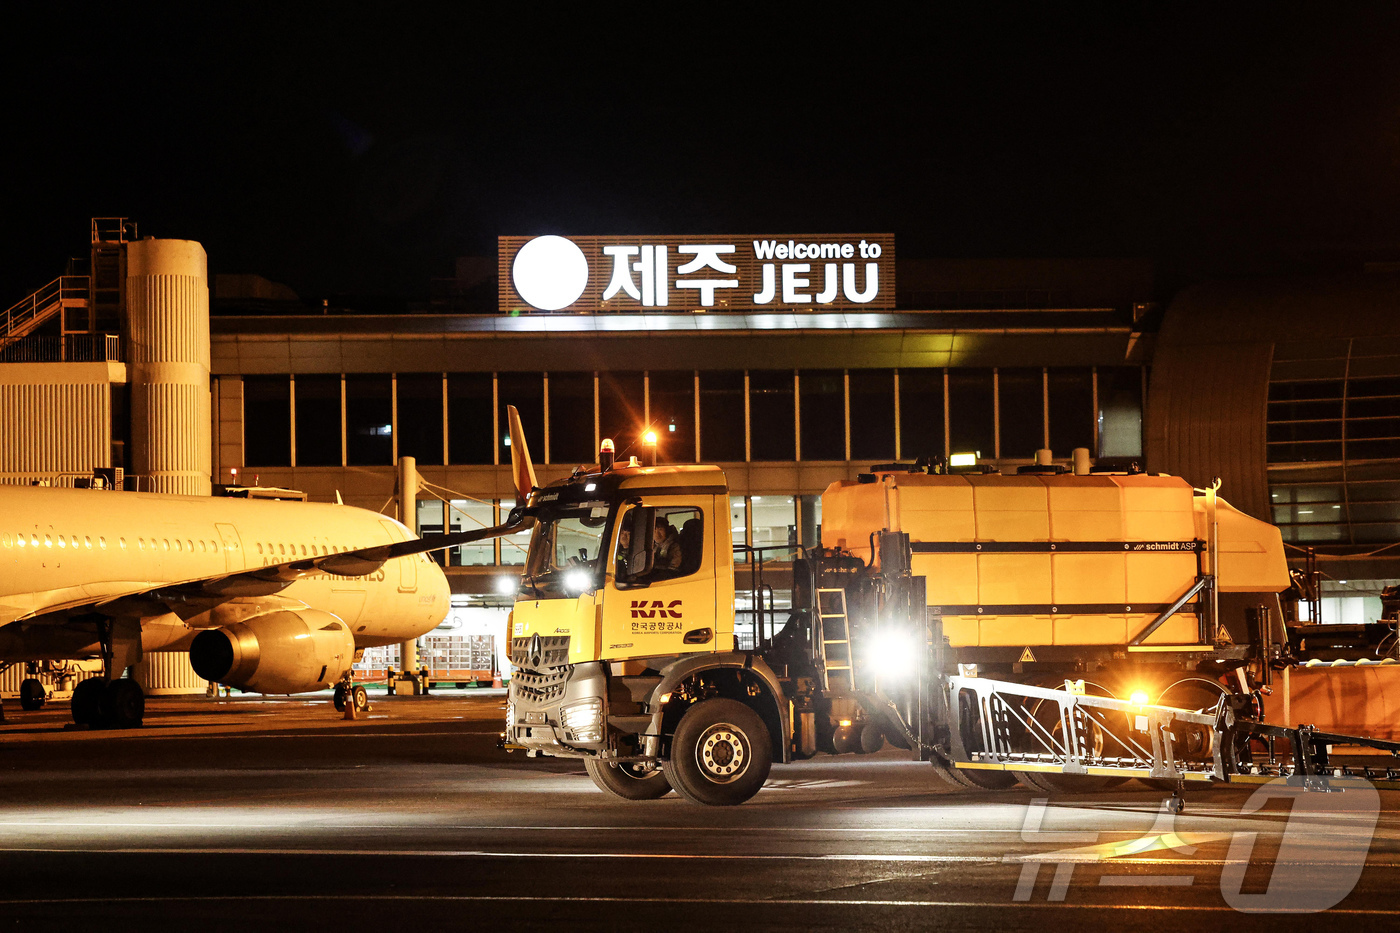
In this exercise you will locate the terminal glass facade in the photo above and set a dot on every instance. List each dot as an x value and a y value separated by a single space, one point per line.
864 415
1334 440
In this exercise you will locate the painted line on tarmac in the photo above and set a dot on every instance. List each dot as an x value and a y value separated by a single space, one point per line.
638 856
744 901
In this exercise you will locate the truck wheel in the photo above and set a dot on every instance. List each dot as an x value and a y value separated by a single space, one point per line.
32 694
626 780
1194 743
720 755
87 701
1048 715
972 778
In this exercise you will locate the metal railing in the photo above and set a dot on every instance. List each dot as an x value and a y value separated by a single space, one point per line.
131 482
69 348
44 301
756 624
113 230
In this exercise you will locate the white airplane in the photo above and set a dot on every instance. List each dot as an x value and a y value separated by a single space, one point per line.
269 596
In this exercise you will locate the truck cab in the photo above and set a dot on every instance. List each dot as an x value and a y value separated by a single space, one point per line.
624 621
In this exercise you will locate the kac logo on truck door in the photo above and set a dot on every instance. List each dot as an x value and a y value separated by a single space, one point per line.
656 609
658 617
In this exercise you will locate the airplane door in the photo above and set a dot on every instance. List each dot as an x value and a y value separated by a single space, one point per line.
408 566
232 547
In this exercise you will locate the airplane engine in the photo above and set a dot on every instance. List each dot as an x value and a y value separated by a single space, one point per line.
280 652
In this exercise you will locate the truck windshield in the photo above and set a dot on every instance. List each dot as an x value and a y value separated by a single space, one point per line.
565 553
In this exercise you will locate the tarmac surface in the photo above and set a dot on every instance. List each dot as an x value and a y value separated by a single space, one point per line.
254 813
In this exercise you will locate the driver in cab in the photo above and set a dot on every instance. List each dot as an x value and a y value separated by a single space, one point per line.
666 549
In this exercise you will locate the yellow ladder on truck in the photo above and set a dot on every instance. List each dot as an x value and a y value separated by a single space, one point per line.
835 637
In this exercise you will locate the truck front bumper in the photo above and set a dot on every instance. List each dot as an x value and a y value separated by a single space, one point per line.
558 710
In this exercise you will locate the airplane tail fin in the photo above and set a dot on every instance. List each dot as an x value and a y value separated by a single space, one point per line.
522 470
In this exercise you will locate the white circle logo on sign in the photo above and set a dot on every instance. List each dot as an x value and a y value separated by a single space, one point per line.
550 272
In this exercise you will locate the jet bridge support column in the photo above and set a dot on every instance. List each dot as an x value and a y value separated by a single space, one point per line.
408 514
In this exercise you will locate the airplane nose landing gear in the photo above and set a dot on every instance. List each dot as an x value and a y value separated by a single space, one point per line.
349 693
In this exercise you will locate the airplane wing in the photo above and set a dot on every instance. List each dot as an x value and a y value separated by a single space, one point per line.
191 597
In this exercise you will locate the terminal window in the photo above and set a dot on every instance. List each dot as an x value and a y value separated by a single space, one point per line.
526 392
267 421
369 424
1120 411
471 515
872 414
823 408
1020 393
571 418
513 547
621 409
772 415
469 422
972 412
318 420
920 414
671 396
1071 402
420 417
722 416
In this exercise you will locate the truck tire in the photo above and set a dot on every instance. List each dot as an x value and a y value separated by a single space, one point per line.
972 778
32 694
1051 782
720 755
623 780
1192 693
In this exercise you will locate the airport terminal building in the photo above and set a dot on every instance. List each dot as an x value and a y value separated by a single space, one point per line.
791 361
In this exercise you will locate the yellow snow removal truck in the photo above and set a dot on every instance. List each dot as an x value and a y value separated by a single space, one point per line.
1063 628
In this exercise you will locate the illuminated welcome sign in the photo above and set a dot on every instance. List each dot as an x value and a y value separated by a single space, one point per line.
829 271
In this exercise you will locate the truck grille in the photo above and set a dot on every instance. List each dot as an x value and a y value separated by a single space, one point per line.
540 688
537 652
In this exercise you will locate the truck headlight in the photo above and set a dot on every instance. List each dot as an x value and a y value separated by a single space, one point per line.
894 655
576 581
583 720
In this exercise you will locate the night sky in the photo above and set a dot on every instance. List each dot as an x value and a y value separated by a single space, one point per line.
356 155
